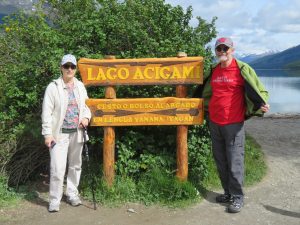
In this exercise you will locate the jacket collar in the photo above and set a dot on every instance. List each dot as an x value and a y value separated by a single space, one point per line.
60 82
240 63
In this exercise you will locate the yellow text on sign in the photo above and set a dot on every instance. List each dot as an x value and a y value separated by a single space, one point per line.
146 111
147 71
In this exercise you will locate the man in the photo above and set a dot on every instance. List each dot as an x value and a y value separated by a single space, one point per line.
64 115
232 93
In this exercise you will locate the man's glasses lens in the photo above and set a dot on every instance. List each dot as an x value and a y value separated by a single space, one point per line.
222 49
67 66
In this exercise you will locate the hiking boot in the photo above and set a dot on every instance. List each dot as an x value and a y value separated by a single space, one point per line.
53 207
235 206
74 201
223 198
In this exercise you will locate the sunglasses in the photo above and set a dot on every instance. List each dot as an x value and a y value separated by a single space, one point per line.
68 66
222 49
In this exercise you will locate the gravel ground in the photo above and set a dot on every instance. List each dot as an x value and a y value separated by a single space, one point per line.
273 201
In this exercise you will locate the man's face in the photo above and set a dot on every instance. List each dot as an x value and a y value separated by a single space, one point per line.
223 53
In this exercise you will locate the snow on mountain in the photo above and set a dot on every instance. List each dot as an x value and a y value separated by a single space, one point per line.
251 57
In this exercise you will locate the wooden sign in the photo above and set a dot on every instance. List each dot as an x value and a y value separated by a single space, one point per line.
146 111
146 71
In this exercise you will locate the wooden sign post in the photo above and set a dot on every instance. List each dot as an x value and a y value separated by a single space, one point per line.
109 141
111 112
181 140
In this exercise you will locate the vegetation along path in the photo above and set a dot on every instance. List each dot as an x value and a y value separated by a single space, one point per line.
274 201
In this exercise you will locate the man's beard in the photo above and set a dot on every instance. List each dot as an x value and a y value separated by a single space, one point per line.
222 58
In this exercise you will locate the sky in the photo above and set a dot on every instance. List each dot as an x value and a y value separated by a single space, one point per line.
255 26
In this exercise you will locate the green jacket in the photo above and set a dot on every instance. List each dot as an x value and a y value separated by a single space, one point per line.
255 92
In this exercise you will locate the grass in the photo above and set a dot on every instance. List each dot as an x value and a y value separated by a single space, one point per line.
11 198
8 196
154 187
255 166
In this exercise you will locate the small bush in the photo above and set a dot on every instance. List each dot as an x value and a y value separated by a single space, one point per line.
157 186
199 148
32 44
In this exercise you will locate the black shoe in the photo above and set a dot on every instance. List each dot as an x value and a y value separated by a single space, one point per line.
224 198
235 206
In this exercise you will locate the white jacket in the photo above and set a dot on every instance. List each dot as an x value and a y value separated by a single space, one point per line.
55 106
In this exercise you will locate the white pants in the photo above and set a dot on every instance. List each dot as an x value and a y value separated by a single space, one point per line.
67 147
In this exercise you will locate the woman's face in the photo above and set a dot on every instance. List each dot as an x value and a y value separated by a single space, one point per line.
68 70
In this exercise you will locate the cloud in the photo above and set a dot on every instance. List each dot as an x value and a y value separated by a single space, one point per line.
256 26
280 17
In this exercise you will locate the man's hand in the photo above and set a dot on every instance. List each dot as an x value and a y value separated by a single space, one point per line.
265 108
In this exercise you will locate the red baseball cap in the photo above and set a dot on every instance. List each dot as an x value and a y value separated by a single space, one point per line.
224 41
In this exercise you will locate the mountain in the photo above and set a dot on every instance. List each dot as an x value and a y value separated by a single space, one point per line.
10 6
287 59
251 57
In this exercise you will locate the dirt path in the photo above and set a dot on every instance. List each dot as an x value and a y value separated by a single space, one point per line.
276 200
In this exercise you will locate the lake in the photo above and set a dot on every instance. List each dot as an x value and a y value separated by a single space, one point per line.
284 89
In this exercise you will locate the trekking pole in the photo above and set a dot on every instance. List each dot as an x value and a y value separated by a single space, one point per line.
86 153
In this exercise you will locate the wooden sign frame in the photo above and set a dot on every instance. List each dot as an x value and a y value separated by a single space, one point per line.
147 71
146 111
110 72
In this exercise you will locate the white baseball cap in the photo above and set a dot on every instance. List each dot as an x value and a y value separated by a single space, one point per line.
68 59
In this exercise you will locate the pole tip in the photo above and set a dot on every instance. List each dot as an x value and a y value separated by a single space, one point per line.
110 57
181 54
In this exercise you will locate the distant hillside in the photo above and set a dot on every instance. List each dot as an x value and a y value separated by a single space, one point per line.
251 57
294 65
287 59
1 16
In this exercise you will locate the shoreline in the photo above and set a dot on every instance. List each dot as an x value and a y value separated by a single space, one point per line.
282 115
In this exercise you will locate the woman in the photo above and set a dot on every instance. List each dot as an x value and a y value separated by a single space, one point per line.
63 117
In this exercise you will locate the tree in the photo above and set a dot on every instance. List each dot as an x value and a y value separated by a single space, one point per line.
32 45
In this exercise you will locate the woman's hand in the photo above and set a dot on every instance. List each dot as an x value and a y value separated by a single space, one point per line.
49 140
84 123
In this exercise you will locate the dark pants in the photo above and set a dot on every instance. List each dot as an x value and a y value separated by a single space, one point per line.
228 144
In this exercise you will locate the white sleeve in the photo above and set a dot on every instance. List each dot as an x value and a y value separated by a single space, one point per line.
86 110
47 110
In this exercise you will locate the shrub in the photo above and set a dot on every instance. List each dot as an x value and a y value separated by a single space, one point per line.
30 51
